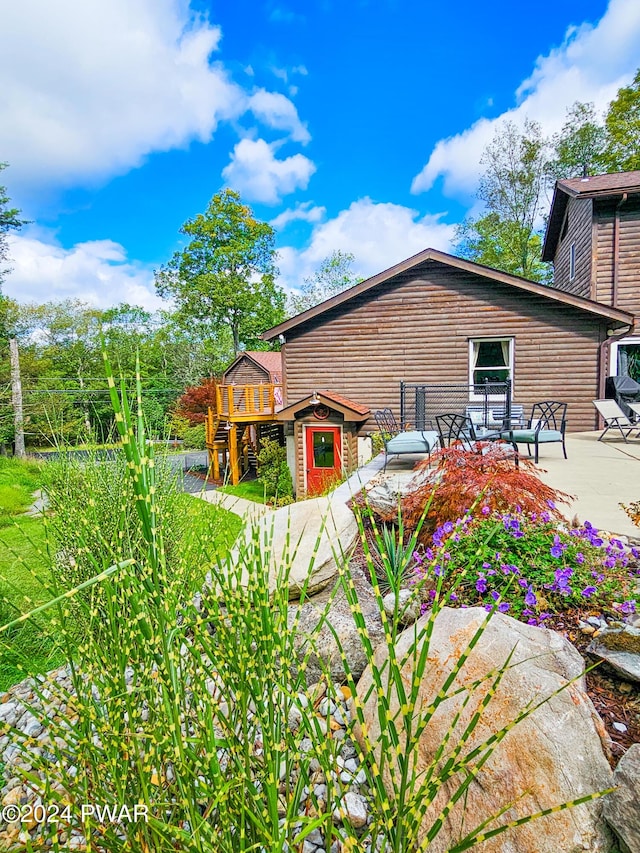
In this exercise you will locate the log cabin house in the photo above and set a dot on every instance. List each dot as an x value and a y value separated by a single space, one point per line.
435 318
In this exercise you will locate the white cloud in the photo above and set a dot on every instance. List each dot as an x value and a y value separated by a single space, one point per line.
305 211
258 175
377 234
277 111
590 65
89 89
97 272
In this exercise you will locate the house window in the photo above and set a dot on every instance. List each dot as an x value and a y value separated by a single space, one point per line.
490 360
572 262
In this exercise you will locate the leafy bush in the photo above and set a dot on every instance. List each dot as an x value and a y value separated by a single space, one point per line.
273 471
463 477
528 564
196 400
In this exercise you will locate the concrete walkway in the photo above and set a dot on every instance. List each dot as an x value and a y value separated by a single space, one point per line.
600 474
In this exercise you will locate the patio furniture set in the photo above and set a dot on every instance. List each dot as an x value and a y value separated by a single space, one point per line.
475 430
546 424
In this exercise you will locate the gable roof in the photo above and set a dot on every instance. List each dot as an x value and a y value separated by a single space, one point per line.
271 362
615 315
595 186
351 411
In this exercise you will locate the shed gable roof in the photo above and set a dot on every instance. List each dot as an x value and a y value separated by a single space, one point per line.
351 411
270 362
557 296
595 186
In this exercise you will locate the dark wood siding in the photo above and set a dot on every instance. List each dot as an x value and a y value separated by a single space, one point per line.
416 327
579 218
629 248
245 372
604 214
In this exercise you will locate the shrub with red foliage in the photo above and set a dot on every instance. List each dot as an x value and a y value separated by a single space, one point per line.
196 400
461 478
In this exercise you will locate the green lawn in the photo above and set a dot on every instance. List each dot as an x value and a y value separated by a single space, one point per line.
208 533
251 490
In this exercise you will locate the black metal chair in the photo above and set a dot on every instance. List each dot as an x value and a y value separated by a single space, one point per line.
397 442
460 430
546 425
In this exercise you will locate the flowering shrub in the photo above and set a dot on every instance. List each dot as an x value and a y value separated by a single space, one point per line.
527 564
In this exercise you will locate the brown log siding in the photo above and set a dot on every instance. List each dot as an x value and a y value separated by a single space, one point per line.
579 214
416 327
246 372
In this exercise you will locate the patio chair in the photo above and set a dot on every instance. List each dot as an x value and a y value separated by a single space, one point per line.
635 408
546 425
460 429
397 442
615 418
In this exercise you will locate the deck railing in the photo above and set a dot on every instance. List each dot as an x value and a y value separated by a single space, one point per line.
244 401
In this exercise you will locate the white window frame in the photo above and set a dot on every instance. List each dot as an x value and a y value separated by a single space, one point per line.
572 261
613 353
472 394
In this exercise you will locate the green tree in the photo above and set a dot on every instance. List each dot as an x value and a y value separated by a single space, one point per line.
334 275
579 148
622 121
9 221
225 277
512 189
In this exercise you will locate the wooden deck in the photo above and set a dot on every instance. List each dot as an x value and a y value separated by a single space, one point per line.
227 427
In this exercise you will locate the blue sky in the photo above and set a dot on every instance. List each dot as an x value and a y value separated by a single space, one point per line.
356 125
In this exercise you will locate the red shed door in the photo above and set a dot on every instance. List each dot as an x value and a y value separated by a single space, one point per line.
323 454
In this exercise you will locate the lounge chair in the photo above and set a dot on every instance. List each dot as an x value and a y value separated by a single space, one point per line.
397 443
635 408
615 418
546 425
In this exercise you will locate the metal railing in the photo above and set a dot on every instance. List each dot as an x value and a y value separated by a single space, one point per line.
488 402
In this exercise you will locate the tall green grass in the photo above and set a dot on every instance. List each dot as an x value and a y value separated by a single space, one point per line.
197 707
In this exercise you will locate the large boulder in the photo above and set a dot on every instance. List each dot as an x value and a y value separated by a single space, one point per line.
622 807
308 537
550 757
318 641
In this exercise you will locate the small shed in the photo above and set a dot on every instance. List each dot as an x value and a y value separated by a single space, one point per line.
253 367
322 439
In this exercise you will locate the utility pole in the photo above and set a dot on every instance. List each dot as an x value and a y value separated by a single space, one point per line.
16 399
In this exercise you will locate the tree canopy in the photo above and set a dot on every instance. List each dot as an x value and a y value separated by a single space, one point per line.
579 149
334 275
512 189
225 277
623 129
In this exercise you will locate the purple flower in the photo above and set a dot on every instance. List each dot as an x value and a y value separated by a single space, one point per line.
532 621
438 570
418 558
544 516
495 595
447 527
635 553
481 585
504 606
617 544
609 563
530 598
588 591
628 606
491 572
488 607
485 510
453 597
556 551
486 565
551 505
544 616
429 555
523 582
580 557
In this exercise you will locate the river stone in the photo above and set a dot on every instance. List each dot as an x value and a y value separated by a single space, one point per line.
552 756
409 606
620 648
325 654
308 536
622 807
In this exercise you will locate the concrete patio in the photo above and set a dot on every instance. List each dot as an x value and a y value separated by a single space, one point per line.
599 474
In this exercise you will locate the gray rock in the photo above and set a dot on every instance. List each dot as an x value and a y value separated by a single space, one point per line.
622 807
353 810
382 499
551 756
308 537
408 606
620 648
325 653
